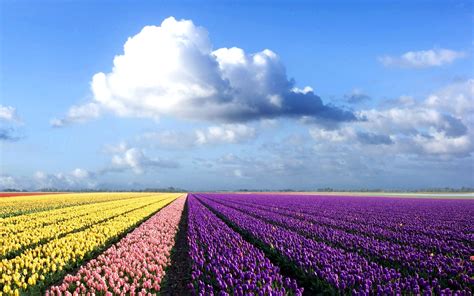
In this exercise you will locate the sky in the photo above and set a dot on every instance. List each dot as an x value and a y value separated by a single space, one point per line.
236 94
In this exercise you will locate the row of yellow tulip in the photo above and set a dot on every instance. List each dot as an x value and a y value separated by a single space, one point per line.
25 222
31 271
13 242
12 206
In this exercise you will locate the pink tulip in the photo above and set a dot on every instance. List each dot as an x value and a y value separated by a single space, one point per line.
134 265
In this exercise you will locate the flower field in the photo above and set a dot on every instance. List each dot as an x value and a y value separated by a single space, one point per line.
359 245
236 244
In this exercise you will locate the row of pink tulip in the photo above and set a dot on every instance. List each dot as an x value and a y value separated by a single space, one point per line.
135 265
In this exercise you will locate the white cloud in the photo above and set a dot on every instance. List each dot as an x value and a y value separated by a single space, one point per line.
78 114
173 70
439 143
457 98
212 135
349 134
423 58
238 173
132 158
340 135
8 113
7 181
80 173
9 123
439 125
227 133
119 148
135 159
76 179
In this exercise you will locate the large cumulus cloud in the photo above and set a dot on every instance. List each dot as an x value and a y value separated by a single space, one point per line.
172 70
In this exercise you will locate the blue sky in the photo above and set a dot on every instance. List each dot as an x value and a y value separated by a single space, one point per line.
391 94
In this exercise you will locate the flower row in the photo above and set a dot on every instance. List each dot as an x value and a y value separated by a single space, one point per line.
223 263
136 264
18 205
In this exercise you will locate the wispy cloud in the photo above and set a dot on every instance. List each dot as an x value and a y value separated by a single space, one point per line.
212 135
75 179
9 123
136 160
9 182
78 114
8 113
423 58
227 133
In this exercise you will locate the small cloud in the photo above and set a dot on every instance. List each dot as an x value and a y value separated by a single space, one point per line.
138 162
456 98
80 173
8 113
212 135
77 178
338 135
423 58
9 182
9 123
119 148
78 114
238 173
227 133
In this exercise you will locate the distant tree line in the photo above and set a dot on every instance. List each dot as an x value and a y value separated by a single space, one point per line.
419 190
325 189
13 190
330 189
52 189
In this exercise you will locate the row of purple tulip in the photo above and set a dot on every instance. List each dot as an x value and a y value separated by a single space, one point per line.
450 272
223 263
134 266
336 214
323 264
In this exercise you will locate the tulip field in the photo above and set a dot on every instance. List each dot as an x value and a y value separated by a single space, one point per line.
235 244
